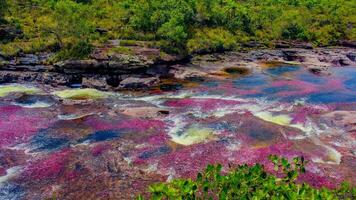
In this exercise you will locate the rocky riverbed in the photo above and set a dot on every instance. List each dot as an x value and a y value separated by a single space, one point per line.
107 128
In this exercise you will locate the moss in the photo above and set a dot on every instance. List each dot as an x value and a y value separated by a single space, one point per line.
81 94
7 89
121 50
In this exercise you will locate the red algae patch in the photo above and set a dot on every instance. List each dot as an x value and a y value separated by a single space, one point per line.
18 125
49 167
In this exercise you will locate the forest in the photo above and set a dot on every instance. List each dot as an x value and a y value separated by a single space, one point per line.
73 27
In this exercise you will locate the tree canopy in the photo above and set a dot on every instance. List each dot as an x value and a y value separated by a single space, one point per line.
191 26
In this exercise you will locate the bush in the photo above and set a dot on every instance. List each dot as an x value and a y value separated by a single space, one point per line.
249 182
79 50
211 40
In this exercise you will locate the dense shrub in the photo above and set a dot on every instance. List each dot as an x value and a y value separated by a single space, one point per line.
211 40
79 50
249 182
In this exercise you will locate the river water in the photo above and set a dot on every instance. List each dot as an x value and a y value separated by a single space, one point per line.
87 144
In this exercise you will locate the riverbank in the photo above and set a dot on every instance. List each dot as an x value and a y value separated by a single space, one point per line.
114 68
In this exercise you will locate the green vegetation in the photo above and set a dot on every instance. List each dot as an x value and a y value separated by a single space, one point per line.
178 26
249 182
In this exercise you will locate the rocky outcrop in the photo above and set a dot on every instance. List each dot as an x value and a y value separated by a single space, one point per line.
142 67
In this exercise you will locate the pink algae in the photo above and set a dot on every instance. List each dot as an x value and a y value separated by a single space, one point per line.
301 113
49 167
17 126
2 171
298 88
99 149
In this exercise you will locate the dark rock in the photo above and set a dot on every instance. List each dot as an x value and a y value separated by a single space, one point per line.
316 71
351 44
303 45
164 112
287 44
114 80
135 83
80 66
101 30
252 44
292 55
31 68
95 82
352 56
159 70
9 33
54 79
282 45
27 59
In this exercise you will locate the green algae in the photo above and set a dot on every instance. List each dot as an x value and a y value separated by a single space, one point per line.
8 89
193 135
283 120
81 94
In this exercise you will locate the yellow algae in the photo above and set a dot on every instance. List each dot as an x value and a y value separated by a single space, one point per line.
7 89
193 135
284 120
81 94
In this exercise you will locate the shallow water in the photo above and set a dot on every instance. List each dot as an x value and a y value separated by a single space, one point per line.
112 145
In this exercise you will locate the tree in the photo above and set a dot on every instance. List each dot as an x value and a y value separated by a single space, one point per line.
71 21
3 9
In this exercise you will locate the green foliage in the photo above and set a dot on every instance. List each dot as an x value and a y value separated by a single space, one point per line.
249 182
181 26
211 40
79 50
3 9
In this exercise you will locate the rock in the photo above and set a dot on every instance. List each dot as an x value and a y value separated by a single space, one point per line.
288 44
54 79
27 59
26 68
79 66
293 55
351 44
95 82
351 56
135 83
127 62
303 45
9 33
252 44
144 112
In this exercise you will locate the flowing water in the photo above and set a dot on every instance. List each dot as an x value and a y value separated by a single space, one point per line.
87 144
